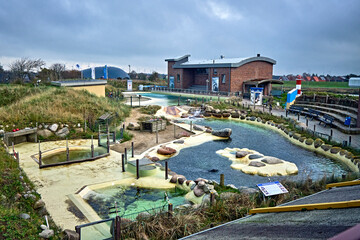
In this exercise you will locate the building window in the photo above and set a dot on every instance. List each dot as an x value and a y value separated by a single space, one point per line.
201 71
178 78
223 78
215 71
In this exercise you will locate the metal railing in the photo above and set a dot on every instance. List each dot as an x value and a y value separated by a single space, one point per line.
192 91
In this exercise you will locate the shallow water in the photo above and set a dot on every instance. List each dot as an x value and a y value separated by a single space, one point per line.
131 200
166 100
73 155
195 162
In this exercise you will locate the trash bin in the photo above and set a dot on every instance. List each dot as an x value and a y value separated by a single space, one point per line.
347 121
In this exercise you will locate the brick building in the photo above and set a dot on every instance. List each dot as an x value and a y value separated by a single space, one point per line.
234 75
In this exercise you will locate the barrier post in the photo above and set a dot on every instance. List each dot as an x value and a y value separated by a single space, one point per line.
222 179
92 146
349 141
166 170
40 160
123 162
170 209
132 149
117 228
67 151
130 101
137 169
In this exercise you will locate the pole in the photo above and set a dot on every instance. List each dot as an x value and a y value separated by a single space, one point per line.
190 126
132 149
67 151
349 141
222 179
123 162
99 137
40 162
139 100
125 153
170 209
137 169
179 101
307 122
92 146
157 132
130 101
331 134
166 170
117 228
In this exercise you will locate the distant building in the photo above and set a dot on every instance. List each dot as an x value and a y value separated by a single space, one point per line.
234 75
113 73
96 87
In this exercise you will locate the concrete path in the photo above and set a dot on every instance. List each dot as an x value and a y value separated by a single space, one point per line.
336 134
317 224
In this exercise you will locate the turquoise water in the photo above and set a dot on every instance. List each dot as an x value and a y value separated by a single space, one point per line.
195 162
166 100
131 200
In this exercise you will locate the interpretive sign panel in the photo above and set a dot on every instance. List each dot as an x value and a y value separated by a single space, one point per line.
272 188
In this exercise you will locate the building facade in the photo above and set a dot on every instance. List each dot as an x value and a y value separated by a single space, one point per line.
233 75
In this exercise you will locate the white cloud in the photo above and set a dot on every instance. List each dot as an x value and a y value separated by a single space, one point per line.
223 11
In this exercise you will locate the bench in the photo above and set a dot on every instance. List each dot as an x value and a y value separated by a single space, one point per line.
311 113
327 120
295 109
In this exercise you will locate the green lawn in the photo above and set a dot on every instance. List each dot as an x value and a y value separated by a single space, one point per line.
306 84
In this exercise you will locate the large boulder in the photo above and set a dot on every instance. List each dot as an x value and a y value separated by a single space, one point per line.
226 132
166 151
39 204
71 235
241 154
198 128
255 156
256 164
198 191
45 133
271 160
63 132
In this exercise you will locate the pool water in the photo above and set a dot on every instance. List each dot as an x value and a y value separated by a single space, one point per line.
73 155
166 100
195 162
131 200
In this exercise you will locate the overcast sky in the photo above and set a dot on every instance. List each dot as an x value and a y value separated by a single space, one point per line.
316 36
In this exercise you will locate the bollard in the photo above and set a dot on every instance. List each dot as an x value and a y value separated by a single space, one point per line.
92 146
117 228
139 100
132 149
130 101
314 128
137 169
174 131
190 126
307 122
286 113
222 179
125 152
349 141
40 162
298 116
166 170
170 209
67 151
123 162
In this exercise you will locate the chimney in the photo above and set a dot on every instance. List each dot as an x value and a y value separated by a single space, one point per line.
258 55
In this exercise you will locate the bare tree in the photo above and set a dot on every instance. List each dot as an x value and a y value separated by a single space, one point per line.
1 68
22 68
57 70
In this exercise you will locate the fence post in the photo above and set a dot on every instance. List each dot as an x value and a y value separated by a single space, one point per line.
137 169
78 231
130 101
99 137
139 99
92 146
190 126
18 158
166 170
125 152
286 113
108 140
67 151
157 131
212 198
314 128
170 209
349 141
298 116
117 228
132 149
331 134
123 162
222 179
40 162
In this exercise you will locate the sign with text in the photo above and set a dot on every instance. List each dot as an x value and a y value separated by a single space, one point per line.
129 85
272 188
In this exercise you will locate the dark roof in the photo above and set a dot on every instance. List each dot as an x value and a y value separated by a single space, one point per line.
113 72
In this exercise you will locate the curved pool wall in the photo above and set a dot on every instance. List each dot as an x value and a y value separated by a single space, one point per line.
197 161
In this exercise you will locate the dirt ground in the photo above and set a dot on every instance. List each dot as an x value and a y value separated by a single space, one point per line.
145 140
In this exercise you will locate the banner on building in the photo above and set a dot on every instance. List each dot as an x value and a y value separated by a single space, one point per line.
105 72
256 95
171 82
129 85
215 84
93 73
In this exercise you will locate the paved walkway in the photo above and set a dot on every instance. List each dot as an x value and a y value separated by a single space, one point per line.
317 224
336 134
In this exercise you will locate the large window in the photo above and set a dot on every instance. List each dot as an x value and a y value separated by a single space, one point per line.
178 78
223 78
201 71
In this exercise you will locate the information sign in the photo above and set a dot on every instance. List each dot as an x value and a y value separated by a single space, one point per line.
272 188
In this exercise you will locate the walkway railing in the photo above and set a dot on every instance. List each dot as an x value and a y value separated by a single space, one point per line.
192 91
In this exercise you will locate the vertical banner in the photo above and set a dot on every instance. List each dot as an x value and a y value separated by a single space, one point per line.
215 84
256 95
105 72
129 85
93 73
171 82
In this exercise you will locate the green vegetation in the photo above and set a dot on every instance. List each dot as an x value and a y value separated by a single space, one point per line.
150 110
55 105
307 84
127 136
10 94
13 186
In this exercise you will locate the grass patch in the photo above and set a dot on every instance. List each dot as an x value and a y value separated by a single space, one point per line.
307 84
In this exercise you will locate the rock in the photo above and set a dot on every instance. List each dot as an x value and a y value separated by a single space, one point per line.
335 150
247 190
201 183
232 186
54 127
181 180
318 142
235 115
326 147
63 132
241 154
225 115
198 191
71 235
342 152
302 139
208 130
207 114
213 170
188 182
44 133
47 233
132 126
255 156
309 141
296 136
256 164
39 204
25 216
184 115
201 179
258 119
43 227
174 178
181 141
17 196
166 151
218 115
252 118
226 132
349 155
183 134
242 117
155 159
198 128
271 160
79 130
229 195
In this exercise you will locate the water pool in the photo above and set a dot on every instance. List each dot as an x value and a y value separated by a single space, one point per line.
196 161
167 100
131 200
